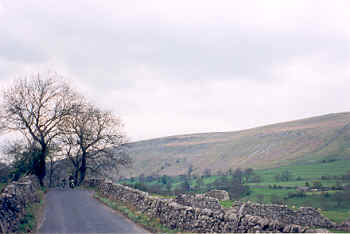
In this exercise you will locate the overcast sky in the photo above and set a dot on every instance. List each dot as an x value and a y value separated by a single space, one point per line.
177 67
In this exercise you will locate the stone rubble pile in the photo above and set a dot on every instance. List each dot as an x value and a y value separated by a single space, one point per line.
14 198
187 214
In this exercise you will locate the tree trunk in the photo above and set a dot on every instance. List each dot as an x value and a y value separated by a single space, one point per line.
76 175
51 172
40 165
82 168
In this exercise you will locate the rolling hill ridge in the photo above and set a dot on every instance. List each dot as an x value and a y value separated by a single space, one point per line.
269 146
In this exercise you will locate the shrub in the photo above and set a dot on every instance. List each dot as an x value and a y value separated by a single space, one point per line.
297 194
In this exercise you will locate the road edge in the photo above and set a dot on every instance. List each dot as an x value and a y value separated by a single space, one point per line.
143 227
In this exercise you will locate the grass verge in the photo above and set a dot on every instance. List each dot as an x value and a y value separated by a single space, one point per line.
29 223
337 216
149 223
337 231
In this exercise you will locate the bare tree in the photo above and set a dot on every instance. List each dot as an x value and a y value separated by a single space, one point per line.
93 140
248 174
207 172
238 175
35 106
189 171
53 158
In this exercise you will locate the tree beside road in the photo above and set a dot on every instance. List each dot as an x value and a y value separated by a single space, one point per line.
93 140
56 122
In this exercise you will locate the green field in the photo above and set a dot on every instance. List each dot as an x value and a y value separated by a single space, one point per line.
306 171
266 192
269 190
337 216
328 205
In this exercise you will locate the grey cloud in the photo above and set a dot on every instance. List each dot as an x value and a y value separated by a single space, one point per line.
101 45
106 50
14 50
235 56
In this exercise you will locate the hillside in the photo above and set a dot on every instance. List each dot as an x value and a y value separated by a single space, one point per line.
263 147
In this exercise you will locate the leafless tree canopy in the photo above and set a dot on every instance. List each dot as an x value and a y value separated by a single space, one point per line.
93 140
35 106
49 114
13 149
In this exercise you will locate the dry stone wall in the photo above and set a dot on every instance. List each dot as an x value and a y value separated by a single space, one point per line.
304 216
198 201
344 226
14 198
194 219
222 195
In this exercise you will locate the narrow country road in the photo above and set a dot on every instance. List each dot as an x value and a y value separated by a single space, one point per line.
75 211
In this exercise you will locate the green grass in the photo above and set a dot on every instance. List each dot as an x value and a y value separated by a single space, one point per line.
29 222
307 170
209 180
337 216
226 204
337 231
329 207
295 183
151 224
267 193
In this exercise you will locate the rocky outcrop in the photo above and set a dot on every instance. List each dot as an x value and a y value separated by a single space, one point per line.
14 198
182 214
221 195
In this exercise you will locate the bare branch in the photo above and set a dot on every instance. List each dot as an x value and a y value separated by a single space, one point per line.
35 106
94 136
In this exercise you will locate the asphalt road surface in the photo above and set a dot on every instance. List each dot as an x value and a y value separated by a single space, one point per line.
76 211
